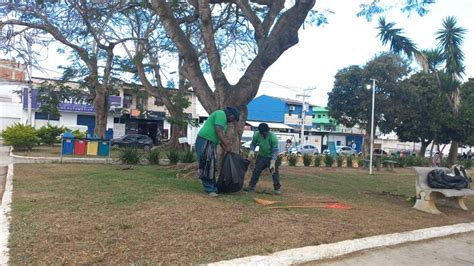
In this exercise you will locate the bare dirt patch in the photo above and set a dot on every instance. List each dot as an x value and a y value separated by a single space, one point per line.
86 214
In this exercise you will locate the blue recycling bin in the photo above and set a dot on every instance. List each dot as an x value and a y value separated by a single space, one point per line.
68 143
103 148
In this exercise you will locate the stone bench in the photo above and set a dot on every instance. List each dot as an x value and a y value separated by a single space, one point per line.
389 165
426 196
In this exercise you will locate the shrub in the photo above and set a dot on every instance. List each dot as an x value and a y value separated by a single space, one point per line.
339 160
79 134
292 159
188 157
467 164
153 156
349 161
173 157
317 160
21 137
307 159
328 160
278 160
129 156
49 134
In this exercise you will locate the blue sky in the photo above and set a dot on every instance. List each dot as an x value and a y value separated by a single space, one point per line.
349 40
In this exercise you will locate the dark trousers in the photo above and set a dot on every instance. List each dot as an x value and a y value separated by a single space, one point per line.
261 164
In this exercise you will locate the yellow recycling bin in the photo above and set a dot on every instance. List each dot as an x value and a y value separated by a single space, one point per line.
92 147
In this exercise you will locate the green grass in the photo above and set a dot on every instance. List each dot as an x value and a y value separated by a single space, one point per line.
100 214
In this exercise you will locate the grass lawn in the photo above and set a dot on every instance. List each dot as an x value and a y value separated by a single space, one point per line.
87 214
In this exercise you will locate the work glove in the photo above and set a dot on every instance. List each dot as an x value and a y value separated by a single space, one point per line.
251 155
272 165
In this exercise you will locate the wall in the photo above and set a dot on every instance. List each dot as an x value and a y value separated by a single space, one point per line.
266 108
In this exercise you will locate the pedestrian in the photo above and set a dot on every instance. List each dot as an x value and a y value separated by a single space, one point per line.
288 146
266 158
469 154
436 159
212 134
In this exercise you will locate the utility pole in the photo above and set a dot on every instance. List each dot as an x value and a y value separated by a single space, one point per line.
30 81
304 95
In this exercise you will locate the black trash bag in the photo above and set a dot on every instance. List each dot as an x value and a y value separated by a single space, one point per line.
231 177
438 178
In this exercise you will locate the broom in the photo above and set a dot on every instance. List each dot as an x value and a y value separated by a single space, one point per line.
340 206
265 202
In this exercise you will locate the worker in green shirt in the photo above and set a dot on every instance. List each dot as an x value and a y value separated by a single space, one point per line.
266 158
212 134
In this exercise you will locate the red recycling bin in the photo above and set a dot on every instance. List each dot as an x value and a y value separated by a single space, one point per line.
80 146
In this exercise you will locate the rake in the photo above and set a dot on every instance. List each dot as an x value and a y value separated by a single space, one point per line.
340 206
265 202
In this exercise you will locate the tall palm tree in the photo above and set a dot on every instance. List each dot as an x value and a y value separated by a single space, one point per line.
450 38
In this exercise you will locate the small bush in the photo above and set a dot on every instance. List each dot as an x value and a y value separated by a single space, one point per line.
129 156
349 161
188 157
467 164
173 157
49 134
402 161
21 137
339 160
328 160
278 160
360 162
292 159
317 160
307 159
78 134
153 156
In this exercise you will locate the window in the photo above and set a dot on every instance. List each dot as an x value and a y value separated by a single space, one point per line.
319 116
127 100
46 116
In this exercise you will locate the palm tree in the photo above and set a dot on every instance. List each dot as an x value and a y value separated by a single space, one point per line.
450 38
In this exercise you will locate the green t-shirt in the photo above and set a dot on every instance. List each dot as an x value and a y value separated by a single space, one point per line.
267 145
208 131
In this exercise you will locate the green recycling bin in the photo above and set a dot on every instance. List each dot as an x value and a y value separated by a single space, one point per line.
104 148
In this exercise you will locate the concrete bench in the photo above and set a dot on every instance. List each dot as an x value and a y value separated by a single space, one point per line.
426 196
389 165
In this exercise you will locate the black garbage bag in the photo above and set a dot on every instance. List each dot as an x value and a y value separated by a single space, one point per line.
438 178
231 177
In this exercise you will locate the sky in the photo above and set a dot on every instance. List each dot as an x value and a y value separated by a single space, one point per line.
347 40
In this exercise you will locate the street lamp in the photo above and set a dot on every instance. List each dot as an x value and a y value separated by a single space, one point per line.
372 124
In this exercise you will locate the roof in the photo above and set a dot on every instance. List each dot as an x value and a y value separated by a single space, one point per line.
291 101
270 124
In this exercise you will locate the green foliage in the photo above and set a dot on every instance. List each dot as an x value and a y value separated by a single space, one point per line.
317 160
153 156
21 137
328 160
307 159
188 157
278 160
129 156
466 163
339 160
49 134
349 161
402 161
78 134
173 157
292 159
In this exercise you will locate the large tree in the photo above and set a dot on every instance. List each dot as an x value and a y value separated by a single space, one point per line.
448 77
82 26
350 100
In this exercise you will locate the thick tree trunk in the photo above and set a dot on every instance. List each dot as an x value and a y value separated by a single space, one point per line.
101 112
177 131
366 145
424 145
453 153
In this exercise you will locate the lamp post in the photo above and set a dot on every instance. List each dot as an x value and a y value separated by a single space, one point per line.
372 125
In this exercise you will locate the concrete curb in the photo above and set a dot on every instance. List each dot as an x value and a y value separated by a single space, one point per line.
327 251
65 159
5 209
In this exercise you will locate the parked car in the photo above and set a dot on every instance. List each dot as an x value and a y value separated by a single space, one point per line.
379 151
305 149
133 140
345 151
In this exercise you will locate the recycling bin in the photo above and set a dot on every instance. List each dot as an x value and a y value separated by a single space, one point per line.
80 146
92 147
104 148
68 146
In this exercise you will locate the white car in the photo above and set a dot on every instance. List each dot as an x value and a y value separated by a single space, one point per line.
305 149
345 151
